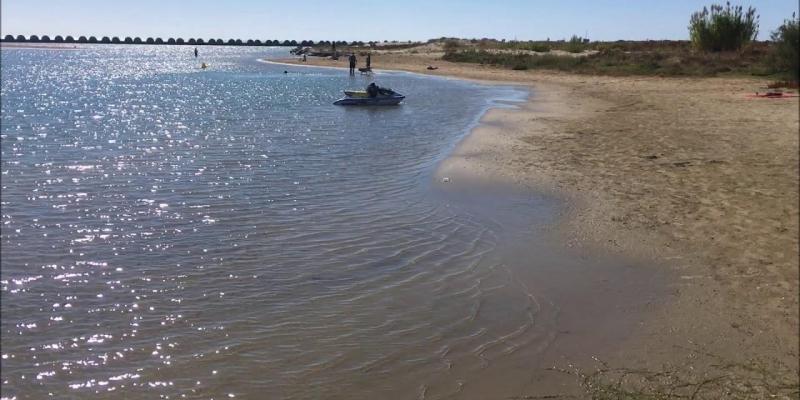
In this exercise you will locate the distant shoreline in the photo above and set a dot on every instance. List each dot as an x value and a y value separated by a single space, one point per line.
42 46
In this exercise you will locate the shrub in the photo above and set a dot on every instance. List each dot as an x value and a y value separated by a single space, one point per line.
785 57
450 46
723 28
539 47
575 44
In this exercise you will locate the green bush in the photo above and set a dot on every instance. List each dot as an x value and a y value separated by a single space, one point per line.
451 46
538 47
723 28
575 44
785 57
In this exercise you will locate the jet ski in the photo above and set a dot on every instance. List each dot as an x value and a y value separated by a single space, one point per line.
373 96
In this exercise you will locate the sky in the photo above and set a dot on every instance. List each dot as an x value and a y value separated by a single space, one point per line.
368 20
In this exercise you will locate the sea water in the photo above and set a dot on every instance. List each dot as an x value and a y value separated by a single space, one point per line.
171 231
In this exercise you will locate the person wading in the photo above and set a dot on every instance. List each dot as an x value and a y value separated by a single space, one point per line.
195 52
353 61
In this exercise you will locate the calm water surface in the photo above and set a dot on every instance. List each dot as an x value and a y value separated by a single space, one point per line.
172 232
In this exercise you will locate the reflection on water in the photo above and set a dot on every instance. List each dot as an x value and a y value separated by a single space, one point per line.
229 233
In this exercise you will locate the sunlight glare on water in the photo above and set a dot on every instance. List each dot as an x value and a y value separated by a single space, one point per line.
173 231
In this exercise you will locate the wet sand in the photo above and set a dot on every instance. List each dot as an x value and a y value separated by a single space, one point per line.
687 172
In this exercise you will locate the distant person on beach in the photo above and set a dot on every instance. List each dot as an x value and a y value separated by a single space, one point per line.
369 60
195 52
353 61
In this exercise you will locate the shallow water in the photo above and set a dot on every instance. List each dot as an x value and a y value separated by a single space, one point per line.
174 232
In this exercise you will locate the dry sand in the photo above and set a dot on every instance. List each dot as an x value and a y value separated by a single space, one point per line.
687 172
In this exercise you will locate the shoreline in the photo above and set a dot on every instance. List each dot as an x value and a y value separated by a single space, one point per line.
686 172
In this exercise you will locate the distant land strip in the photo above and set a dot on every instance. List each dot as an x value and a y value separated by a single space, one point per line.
169 41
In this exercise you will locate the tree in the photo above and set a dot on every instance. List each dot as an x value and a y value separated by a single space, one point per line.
9 38
220 41
238 42
69 39
191 41
150 41
179 41
785 57
171 41
33 38
286 43
137 40
199 41
45 38
231 42
92 39
105 39
128 40
159 41
83 39
723 28
58 39
257 42
115 40
250 42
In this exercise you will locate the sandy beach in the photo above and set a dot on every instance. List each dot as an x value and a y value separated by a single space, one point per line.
688 173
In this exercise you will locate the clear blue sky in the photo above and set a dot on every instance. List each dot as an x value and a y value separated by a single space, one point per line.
367 20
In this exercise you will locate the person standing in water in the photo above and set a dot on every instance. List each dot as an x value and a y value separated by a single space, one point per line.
195 52
353 61
369 60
